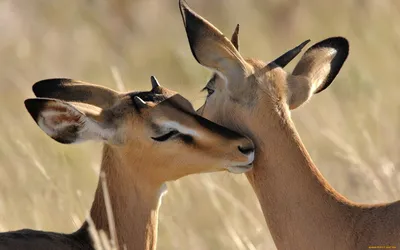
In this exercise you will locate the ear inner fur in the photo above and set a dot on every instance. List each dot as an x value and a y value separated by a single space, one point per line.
307 65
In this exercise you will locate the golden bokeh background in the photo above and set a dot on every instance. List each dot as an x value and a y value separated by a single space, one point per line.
352 129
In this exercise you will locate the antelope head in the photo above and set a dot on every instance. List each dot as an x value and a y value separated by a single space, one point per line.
159 123
242 89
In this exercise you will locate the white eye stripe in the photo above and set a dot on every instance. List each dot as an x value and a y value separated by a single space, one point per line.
182 129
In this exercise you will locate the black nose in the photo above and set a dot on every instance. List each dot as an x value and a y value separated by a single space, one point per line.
246 149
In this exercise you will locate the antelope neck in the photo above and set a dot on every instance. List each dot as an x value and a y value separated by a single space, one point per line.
134 199
297 202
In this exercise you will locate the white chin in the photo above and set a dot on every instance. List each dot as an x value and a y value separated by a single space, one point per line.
240 169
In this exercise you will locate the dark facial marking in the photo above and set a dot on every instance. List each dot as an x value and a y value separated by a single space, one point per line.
187 139
217 129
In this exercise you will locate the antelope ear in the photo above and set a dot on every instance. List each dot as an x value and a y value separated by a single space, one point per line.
75 91
316 69
68 123
210 47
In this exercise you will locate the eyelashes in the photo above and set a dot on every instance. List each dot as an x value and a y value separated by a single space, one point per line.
174 134
165 136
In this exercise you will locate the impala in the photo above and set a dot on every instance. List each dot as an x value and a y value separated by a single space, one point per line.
149 138
301 209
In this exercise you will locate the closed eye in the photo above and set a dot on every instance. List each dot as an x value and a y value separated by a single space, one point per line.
166 136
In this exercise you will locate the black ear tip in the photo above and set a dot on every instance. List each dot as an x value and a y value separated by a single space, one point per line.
188 15
34 106
340 39
194 25
39 86
27 103
339 43
42 87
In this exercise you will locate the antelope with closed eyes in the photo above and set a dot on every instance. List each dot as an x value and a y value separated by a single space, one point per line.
149 138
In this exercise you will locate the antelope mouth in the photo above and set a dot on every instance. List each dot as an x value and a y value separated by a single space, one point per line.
240 169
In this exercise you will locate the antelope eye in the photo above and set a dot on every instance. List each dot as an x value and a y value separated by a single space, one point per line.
210 91
166 136
210 87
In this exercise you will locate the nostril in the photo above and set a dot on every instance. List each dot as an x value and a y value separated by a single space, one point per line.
246 150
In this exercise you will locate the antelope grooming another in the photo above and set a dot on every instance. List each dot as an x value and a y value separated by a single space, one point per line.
300 207
149 138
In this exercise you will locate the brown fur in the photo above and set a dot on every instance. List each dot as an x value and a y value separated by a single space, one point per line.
135 165
300 207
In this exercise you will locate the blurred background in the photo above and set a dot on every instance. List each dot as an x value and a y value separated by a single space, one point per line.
351 129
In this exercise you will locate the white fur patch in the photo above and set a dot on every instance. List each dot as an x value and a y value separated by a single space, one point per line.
91 130
51 122
182 129
251 157
250 160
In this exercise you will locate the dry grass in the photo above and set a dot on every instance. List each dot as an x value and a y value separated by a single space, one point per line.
350 130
